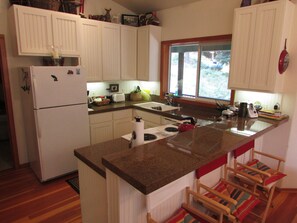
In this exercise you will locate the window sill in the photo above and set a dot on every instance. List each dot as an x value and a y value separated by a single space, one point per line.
200 102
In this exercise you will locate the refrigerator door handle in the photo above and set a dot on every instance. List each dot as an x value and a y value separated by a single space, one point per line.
33 92
38 128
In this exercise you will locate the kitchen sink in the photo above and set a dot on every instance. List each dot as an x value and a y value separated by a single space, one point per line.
156 106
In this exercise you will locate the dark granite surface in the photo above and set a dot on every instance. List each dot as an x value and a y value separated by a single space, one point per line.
185 110
151 166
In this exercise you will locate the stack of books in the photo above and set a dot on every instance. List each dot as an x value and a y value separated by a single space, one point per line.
272 114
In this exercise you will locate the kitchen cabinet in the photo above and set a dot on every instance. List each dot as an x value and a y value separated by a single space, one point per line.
110 125
122 123
259 33
91 54
150 120
101 127
38 29
128 52
111 51
148 52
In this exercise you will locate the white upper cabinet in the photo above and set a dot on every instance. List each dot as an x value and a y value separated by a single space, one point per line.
33 30
66 32
128 53
111 51
38 29
91 53
258 37
148 53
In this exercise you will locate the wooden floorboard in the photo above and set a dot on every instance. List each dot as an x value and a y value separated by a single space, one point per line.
24 199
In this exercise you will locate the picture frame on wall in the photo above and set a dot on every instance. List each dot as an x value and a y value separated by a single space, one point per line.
130 20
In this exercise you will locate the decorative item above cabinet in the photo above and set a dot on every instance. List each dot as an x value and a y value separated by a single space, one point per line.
259 33
38 30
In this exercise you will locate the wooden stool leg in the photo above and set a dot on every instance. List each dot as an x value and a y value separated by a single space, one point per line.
268 204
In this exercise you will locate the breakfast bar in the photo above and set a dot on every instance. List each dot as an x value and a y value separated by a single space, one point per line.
151 177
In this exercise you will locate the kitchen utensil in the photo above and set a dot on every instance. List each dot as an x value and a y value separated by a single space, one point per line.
252 112
284 59
242 109
186 126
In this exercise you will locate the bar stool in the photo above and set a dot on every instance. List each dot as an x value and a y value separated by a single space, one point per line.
258 175
226 198
188 213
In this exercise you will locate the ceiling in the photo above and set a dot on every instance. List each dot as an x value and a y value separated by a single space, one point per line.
143 6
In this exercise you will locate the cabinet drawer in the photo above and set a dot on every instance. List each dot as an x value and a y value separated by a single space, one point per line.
122 114
146 116
102 117
166 121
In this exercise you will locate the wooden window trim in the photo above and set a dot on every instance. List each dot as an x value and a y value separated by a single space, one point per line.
165 66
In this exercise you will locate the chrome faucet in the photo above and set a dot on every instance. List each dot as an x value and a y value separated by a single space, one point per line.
169 98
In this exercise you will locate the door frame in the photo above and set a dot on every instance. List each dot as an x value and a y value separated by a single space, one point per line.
8 102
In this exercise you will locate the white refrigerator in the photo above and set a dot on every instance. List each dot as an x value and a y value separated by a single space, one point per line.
56 119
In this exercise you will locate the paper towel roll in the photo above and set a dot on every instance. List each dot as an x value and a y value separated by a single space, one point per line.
138 128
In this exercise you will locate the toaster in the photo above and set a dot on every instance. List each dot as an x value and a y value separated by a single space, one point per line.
118 97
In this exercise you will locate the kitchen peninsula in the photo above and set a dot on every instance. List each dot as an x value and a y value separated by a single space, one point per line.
119 184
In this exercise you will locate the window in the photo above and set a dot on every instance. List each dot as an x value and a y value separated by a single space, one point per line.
197 69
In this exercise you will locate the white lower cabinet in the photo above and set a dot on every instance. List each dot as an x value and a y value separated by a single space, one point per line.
101 127
150 120
110 125
122 123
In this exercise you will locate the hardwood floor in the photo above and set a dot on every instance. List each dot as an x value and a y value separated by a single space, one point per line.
283 211
23 199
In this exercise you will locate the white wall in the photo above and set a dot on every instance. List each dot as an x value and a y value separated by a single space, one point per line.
198 19
99 88
290 107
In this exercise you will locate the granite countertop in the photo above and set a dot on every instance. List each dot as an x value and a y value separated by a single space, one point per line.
185 110
153 165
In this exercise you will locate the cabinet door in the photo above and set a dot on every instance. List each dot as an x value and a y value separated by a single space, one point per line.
148 124
128 52
265 54
34 31
143 53
149 48
91 57
122 127
66 30
111 51
242 47
101 132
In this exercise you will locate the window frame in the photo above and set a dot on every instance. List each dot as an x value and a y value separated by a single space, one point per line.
164 73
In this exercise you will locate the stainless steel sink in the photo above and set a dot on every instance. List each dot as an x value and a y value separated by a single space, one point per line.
156 106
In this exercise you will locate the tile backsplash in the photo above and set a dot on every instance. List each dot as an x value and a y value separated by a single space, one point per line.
99 88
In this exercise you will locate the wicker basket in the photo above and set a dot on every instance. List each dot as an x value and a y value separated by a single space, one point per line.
135 96
104 101
46 4
19 2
